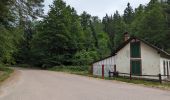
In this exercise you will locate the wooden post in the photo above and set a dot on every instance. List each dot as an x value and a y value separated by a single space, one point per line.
114 68
102 71
167 71
130 76
117 74
91 70
109 74
160 78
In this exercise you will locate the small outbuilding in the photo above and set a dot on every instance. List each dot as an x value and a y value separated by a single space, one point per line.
136 57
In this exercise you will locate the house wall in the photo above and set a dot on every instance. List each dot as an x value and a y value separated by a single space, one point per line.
167 63
122 59
150 61
108 65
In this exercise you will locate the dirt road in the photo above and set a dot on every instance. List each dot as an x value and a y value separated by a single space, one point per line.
47 85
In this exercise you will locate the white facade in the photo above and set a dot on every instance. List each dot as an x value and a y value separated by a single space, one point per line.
150 60
122 60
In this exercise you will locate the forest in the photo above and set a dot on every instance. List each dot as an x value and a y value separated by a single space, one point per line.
62 37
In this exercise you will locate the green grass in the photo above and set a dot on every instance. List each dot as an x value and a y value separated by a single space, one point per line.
156 84
79 70
6 72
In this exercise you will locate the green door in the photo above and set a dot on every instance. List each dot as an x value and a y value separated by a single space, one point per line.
136 67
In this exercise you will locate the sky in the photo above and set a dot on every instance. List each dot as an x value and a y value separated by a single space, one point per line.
98 7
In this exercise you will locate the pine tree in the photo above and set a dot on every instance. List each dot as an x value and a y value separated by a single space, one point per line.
26 12
128 14
60 33
153 26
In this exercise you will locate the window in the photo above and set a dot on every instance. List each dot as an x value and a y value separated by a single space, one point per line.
135 49
136 67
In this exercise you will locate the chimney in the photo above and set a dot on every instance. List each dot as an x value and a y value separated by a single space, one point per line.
126 36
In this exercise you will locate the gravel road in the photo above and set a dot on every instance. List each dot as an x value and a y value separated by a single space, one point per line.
46 85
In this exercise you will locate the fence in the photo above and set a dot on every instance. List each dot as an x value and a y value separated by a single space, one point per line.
102 70
159 76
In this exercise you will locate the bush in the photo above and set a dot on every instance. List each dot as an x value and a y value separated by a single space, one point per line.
85 57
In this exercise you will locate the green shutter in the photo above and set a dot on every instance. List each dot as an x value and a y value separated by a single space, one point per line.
135 49
136 67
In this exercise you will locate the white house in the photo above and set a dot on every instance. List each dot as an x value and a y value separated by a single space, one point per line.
137 57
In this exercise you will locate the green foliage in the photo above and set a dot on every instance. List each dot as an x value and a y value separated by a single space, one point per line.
61 36
149 22
115 27
128 14
103 42
5 72
7 46
14 18
6 14
152 25
85 57
65 38
68 39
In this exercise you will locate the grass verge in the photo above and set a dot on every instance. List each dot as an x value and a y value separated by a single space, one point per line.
84 70
79 70
155 84
5 73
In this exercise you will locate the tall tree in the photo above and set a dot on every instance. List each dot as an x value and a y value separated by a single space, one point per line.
138 17
119 29
6 16
167 11
26 12
89 31
102 40
153 26
115 27
128 14
59 33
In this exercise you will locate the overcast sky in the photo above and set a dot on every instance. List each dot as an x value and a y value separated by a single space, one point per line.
99 7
